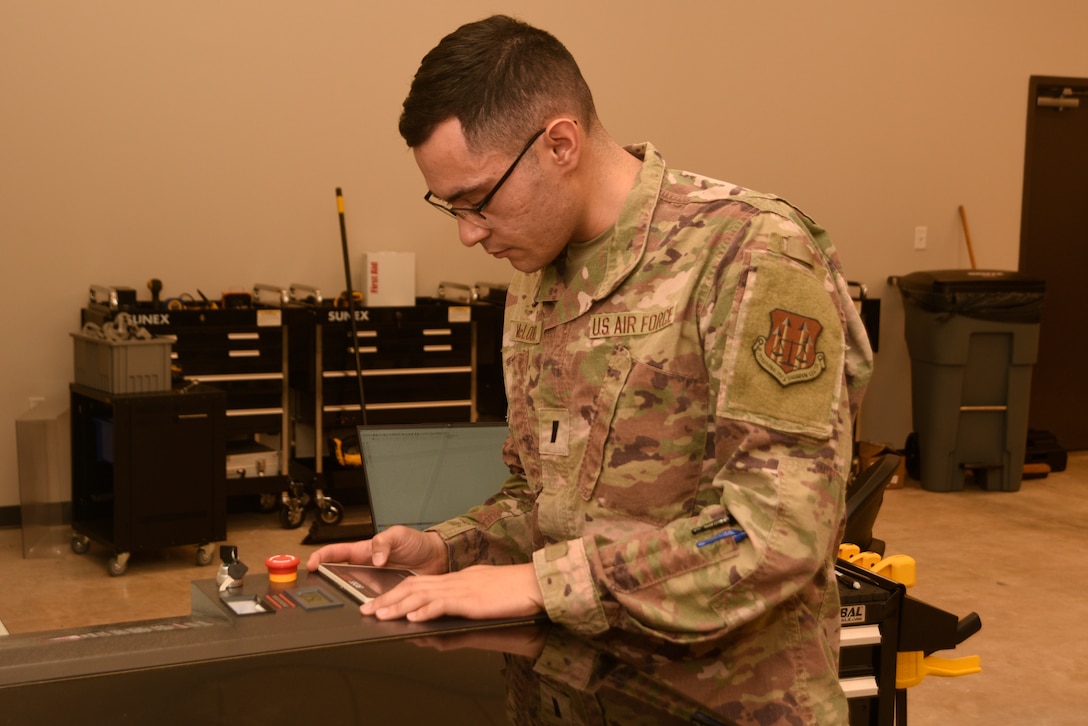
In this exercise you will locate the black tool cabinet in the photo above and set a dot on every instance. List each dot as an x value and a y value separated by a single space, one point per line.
293 365
880 621
869 645
428 363
243 352
148 471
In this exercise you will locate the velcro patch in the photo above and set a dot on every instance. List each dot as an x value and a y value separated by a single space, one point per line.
787 355
554 431
643 322
522 331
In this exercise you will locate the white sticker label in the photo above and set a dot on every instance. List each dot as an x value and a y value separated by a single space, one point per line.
269 318
460 314
853 614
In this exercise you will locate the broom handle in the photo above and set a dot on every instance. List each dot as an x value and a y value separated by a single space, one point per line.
967 236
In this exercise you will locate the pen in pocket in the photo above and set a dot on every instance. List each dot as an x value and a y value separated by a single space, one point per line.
734 534
723 521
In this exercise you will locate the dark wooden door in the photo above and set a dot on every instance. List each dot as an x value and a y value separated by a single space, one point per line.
1054 246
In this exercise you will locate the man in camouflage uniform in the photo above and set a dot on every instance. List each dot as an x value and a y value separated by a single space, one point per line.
682 363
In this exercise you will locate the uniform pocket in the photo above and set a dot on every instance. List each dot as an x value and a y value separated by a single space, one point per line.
645 453
519 413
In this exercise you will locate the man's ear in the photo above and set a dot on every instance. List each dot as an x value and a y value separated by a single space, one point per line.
563 138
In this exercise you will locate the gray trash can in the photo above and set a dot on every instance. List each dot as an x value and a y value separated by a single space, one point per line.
972 336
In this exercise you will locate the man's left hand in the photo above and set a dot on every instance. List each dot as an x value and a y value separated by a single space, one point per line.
479 592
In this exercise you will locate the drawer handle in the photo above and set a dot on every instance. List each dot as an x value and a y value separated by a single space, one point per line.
370 372
857 635
189 416
243 336
249 353
437 348
417 404
438 331
235 412
229 377
347 407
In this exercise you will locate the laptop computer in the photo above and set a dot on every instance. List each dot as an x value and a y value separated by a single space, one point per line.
421 474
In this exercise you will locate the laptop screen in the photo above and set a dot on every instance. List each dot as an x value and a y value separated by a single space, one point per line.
421 474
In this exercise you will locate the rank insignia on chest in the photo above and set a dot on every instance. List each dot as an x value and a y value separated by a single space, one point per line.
788 351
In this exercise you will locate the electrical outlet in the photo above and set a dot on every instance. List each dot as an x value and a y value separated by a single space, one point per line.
34 401
919 238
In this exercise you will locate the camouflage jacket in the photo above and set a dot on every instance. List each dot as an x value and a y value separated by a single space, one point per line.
578 682
706 362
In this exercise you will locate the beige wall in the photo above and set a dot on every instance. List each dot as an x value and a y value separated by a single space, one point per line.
201 142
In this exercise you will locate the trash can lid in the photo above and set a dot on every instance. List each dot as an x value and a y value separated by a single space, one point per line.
984 294
950 281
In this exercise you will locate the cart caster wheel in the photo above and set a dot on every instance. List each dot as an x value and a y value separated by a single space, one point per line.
118 564
296 495
268 502
913 457
332 512
80 545
204 555
291 516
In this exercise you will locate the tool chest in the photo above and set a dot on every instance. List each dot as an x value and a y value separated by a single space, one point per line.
417 364
242 352
288 372
868 645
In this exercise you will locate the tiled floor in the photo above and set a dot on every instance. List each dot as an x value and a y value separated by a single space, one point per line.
1010 556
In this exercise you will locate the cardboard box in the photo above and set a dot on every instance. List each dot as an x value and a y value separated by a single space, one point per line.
868 452
389 279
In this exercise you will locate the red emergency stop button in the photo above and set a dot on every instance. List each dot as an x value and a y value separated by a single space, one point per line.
282 568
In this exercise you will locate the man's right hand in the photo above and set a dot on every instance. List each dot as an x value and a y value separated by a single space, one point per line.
404 547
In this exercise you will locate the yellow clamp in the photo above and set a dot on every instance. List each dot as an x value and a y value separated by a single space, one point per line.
846 551
900 568
868 560
853 554
912 667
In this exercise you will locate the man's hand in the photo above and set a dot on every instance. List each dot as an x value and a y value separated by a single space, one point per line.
479 592
421 552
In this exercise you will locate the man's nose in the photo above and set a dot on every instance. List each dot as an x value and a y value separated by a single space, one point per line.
471 234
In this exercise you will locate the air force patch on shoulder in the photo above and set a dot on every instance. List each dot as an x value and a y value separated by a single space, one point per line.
788 351
785 358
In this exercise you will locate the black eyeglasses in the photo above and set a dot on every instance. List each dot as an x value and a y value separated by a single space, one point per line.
474 215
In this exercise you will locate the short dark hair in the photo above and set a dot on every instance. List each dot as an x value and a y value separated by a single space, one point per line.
501 78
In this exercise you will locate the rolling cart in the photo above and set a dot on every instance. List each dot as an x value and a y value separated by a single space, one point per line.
148 471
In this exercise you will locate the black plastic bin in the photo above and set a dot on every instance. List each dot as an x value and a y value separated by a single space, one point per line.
972 336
